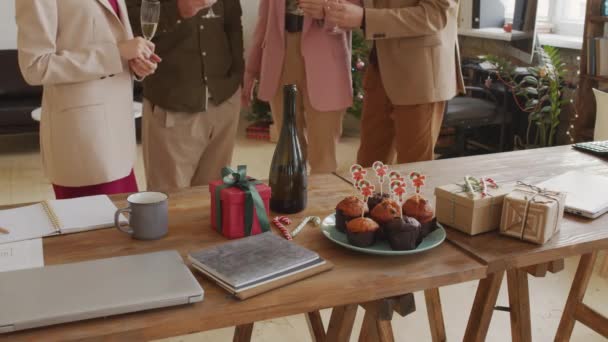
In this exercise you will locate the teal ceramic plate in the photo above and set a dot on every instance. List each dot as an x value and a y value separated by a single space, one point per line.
380 247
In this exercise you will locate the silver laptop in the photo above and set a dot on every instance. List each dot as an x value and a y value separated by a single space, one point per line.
586 193
72 292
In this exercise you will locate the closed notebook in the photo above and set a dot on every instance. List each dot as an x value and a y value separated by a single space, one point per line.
57 217
257 264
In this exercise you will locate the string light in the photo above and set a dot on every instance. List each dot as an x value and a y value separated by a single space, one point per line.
572 120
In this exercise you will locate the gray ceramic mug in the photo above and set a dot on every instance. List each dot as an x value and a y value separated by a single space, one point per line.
148 216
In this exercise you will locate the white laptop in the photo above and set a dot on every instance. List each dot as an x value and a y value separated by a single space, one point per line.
587 194
72 292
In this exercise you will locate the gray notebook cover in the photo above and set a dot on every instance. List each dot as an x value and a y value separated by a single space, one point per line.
250 259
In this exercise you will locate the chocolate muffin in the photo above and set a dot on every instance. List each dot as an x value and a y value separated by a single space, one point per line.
361 232
419 208
375 199
402 233
383 213
349 208
427 228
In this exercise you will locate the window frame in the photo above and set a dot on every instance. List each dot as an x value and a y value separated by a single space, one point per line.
556 20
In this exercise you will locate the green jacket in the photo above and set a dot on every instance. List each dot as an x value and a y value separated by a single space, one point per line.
199 55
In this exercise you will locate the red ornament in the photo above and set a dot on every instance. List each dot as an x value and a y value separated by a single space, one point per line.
360 64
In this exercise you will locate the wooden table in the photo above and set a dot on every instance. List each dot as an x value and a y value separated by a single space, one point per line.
356 278
501 254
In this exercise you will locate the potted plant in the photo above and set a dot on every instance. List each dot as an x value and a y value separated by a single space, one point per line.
540 93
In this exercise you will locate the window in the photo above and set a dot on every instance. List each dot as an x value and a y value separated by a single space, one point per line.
565 17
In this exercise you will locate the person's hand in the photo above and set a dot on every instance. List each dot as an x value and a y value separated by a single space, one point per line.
134 48
189 8
142 67
247 92
313 8
344 14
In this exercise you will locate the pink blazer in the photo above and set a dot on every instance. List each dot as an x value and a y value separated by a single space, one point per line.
327 59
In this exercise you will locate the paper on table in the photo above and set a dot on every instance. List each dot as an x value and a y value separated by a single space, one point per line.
24 223
21 255
72 215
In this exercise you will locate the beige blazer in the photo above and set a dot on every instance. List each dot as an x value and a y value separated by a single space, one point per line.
87 130
417 44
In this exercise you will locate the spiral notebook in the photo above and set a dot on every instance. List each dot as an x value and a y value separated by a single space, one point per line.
57 217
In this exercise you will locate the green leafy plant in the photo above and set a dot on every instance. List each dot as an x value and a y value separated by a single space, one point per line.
542 92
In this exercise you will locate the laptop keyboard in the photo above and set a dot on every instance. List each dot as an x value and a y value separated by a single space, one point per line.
594 147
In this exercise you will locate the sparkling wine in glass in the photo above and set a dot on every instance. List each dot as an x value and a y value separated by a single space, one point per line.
210 14
336 29
150 14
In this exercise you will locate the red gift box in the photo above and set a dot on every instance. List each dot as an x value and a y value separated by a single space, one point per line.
233 210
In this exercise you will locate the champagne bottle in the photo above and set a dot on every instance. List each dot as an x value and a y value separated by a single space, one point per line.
288 178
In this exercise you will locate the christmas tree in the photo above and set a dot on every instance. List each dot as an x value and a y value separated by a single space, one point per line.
359 61
260 110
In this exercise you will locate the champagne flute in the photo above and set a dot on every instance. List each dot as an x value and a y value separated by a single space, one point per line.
210 14
150 15
336 29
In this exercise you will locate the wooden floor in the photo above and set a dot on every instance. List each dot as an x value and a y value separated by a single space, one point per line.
22 180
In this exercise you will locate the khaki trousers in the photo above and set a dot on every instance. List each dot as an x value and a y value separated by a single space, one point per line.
188 149
318 132
410 131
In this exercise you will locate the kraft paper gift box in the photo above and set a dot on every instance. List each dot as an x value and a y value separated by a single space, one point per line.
239 204
532 214
471 213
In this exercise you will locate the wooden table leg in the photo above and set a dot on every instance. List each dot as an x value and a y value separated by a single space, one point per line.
604 267
242 333
385 331
575 298
435 314
369 330
315 325
519 303
341 323
483 307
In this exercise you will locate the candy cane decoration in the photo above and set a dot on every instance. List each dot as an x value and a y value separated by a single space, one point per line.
357 173
484 187
381 171
398 188
316 221
418 180
367 189
492 183
279 222
467 184
395 175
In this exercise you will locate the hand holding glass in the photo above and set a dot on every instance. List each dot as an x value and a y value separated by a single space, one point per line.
150 15
336 29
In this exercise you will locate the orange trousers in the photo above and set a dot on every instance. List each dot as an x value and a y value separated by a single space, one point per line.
409 131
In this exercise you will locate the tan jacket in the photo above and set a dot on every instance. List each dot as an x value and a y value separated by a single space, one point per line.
87 131
417 43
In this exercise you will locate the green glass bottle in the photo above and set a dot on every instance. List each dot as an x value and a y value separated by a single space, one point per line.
288 178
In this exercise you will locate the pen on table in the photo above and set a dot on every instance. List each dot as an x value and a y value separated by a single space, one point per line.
4 231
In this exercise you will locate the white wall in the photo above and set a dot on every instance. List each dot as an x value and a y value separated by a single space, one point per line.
8 29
